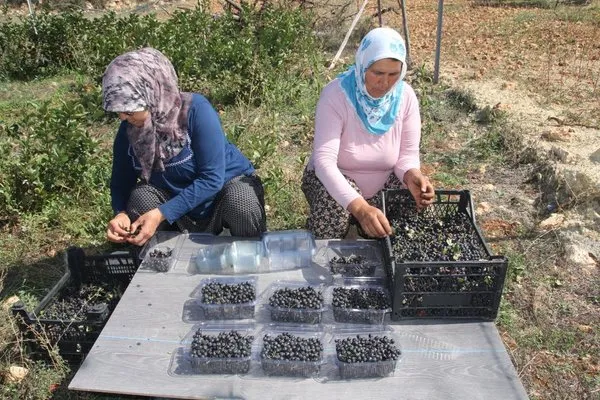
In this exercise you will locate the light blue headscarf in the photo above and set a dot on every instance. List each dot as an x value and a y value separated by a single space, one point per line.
376 114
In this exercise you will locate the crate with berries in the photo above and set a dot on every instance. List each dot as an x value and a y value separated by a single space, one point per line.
437 261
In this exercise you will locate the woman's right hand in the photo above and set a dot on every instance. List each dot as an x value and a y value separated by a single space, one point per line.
371 219
118 228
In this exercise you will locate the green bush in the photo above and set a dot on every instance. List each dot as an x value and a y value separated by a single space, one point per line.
53 159
228 58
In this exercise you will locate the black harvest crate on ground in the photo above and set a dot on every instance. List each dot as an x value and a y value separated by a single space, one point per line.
61 320
437 261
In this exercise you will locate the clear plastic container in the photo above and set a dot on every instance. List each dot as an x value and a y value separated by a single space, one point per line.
159 259
352 259
373 316
291 368
377 367
218 311
289 249
186 360
212 259
246 256
191 243
293 314
162 239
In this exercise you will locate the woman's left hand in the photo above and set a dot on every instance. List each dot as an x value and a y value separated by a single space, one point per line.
420 187
147 225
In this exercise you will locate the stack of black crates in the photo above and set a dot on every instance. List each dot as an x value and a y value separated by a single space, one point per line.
442 289
74 338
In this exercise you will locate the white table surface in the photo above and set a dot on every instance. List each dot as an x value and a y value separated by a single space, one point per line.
135 350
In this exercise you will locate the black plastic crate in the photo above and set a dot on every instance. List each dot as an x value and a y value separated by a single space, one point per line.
443 289
73 338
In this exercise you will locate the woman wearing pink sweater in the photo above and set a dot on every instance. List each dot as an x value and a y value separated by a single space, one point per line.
367 134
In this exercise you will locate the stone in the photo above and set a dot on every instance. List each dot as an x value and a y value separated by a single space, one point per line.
577 255
483 208
558 154
595 157
552 222
8 303
559 134
16 374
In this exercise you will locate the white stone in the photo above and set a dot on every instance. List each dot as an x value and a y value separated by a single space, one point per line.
552 222
483 208
9 302
16 373
577 255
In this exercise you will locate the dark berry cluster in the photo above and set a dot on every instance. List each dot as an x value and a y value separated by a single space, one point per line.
159 259
300 305
303 297
291 355
87 302
223 353
352 265
360 298
228 301
359 305
228 293
366 356
427 236
443 278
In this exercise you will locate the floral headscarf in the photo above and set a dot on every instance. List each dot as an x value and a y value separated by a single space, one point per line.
377 114
146 80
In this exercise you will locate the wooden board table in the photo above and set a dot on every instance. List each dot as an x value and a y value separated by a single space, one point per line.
134 352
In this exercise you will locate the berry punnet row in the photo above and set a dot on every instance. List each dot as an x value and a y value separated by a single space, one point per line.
301 305
287 354
222 353
366 356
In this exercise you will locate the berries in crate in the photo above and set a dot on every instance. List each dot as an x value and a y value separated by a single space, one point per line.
71 316
437 261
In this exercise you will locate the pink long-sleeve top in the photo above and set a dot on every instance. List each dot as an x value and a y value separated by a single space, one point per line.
343 147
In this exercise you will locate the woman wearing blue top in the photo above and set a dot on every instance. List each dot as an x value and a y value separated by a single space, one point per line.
172 165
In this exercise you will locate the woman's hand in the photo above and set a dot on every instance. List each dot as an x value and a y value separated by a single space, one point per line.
420 187
371 219
145 226
118 228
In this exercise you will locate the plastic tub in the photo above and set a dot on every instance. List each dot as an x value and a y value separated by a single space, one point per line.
232 342
213 307
370 342
351 259
289 249
212 259
376 295
286 290
159 259
286 367
246 256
